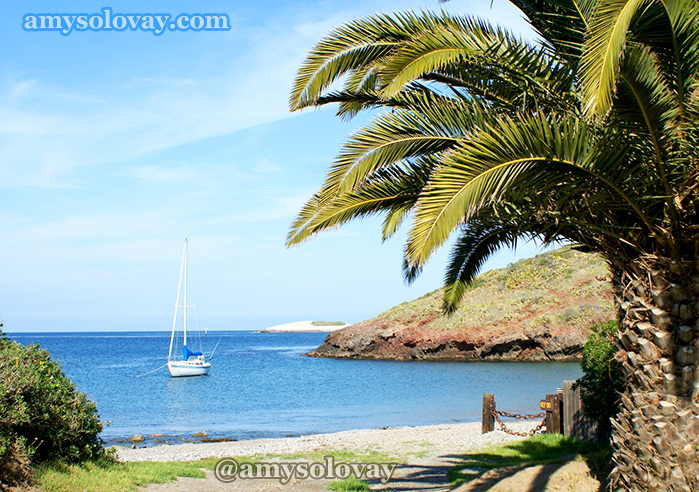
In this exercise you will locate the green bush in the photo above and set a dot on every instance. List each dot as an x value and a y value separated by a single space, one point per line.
42 416
602 382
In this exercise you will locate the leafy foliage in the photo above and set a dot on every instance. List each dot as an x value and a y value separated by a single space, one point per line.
602 382
42 416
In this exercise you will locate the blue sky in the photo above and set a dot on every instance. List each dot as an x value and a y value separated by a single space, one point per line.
115 146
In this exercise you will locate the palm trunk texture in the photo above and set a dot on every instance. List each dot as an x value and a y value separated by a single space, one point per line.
656 432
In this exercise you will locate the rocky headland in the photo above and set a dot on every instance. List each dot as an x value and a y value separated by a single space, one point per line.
537 309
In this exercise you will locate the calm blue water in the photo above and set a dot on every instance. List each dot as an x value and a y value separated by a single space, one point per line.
261 386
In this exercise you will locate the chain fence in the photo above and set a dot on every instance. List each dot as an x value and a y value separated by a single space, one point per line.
503 427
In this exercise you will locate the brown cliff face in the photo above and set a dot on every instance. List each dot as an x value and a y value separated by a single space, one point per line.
536 309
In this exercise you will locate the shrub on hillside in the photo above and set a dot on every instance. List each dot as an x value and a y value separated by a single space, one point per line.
42 416
602 382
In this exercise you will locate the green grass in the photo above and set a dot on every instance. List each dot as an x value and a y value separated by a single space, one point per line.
425 445
542 449
347 455
111 476
351 484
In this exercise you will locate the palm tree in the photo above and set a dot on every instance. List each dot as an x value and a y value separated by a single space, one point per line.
589 137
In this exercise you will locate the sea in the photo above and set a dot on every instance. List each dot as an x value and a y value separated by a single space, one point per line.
261 385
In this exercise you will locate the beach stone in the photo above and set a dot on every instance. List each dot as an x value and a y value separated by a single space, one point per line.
137 438
200 434
156 435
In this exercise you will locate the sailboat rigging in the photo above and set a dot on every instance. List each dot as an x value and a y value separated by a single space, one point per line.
193 362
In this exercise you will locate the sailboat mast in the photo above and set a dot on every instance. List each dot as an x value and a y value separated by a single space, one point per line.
185 292
177 300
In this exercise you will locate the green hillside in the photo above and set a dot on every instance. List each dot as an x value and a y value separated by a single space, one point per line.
559 288
539 308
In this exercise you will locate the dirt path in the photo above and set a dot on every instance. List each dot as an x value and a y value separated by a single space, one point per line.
420 474
428 474
573 476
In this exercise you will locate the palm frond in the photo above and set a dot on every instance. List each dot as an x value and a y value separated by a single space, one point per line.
514 158
391 191
475 56
603 50
426 126
352 102
561 23
451 43
355 46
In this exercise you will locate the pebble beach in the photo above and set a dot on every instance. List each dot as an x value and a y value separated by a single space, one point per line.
397 441
425 454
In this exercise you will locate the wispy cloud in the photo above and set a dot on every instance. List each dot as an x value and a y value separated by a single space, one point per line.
164 174
48 130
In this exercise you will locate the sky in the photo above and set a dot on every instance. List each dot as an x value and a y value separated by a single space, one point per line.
116 145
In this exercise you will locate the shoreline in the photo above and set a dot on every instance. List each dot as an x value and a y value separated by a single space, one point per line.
398 442
438 358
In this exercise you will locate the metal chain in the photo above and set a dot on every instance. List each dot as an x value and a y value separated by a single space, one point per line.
519 416
497 413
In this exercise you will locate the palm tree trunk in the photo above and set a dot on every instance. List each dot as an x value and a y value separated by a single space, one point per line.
656 432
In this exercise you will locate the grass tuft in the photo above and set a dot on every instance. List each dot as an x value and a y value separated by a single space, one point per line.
351 484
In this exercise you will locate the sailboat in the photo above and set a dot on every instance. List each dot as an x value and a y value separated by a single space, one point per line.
193 363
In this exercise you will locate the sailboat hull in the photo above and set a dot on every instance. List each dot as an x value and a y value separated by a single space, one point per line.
188 368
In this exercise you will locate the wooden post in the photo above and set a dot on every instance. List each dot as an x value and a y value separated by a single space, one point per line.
488 424
575 423
553 416
558 414
561 413
571 408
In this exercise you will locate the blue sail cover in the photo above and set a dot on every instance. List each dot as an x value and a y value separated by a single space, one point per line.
186 353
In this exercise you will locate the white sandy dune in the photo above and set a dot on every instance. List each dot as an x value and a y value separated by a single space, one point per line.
302 327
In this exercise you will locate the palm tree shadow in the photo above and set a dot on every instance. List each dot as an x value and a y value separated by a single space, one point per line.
538 482
426 477
487 468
